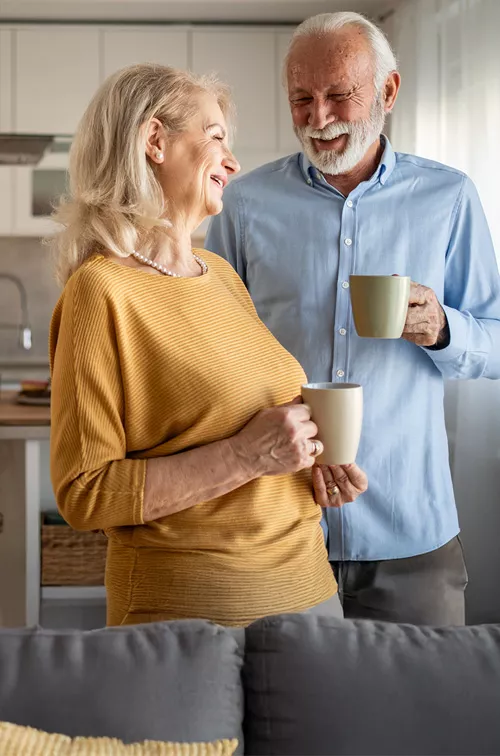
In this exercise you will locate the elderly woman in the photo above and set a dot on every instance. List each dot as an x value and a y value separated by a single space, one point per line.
175 424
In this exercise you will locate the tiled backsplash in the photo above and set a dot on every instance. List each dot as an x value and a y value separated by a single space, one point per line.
30 261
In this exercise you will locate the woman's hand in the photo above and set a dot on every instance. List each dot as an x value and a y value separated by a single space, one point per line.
335 485
278 440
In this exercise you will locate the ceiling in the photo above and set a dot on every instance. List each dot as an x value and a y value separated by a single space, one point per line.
256 11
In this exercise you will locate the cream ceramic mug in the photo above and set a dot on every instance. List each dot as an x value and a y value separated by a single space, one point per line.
337 410
379 305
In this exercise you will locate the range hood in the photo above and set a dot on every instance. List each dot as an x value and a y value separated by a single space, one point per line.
24 149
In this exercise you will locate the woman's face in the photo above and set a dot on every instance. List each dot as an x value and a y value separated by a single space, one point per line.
194 166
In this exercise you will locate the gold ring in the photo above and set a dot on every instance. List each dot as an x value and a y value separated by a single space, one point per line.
332 489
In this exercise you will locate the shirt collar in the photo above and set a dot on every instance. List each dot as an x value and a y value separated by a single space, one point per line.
382 173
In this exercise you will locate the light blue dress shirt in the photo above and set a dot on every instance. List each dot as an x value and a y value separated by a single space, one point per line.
294 240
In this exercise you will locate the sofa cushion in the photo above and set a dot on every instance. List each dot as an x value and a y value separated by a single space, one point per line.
175 681
317 685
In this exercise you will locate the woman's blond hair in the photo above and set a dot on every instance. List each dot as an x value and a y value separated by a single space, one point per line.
115 201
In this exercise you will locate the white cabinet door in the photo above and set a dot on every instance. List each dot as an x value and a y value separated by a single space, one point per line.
124 47
6 172
5 80
288 142
246 60
56 74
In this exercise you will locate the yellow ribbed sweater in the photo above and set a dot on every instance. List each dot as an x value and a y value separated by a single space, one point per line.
146 366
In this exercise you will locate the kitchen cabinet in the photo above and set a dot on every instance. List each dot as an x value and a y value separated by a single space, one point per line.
5 80
246 60
24 431
21 431
56 72
49 73
124 47
287 141
6 172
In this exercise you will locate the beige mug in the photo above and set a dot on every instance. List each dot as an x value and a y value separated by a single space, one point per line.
337 410
379 305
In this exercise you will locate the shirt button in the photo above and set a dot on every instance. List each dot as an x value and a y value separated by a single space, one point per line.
349 203
342 331
348 242
345 284
340 373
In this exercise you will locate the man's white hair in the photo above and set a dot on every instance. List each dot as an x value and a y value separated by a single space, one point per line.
328 23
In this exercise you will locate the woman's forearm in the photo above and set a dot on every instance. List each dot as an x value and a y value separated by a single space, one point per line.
182 480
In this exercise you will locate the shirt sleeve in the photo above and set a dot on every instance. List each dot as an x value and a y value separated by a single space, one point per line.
471 295
96 486
225 235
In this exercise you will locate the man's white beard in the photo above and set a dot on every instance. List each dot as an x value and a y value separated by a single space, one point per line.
361 134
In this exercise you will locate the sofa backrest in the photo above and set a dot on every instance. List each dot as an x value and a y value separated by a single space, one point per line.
317 685
177 681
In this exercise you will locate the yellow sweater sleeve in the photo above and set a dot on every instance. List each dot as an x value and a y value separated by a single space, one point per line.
96 486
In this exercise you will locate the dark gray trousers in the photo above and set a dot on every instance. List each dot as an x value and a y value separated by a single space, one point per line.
423 590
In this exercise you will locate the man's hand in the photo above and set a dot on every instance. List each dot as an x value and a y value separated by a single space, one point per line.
335 485
426 324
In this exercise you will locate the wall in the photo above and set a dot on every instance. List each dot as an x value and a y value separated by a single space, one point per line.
27 259
449 57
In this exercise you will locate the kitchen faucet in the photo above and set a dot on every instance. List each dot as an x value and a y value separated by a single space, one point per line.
23 327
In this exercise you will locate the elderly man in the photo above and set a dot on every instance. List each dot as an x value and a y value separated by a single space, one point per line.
295 230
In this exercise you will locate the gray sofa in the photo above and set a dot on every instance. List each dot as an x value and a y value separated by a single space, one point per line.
297 685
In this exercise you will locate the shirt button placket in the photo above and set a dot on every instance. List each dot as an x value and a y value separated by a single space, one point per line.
340 365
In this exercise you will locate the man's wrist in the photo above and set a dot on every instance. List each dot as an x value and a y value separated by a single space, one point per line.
443 340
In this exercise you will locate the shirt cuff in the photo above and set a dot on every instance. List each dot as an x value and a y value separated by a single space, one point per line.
458 326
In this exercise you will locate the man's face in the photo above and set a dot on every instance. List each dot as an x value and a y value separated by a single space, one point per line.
336 112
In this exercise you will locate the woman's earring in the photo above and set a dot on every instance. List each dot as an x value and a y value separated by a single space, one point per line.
159 155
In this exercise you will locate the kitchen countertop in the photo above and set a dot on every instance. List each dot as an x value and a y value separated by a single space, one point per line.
18 421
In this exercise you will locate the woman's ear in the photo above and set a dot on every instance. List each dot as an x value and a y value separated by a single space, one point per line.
155 141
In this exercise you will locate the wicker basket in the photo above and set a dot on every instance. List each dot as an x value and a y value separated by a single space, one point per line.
70 557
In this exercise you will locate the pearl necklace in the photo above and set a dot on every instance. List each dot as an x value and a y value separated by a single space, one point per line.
162 269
